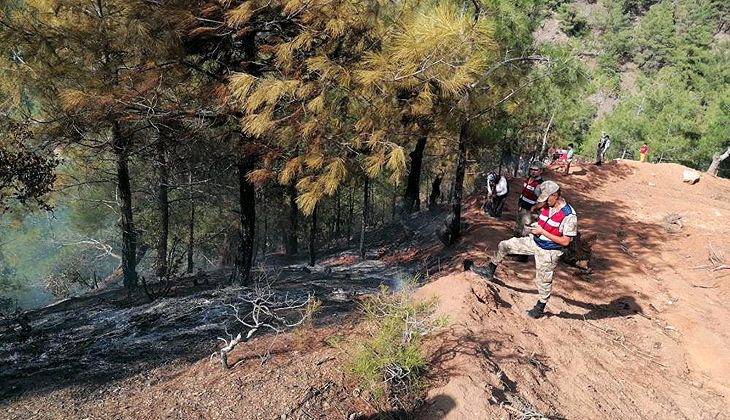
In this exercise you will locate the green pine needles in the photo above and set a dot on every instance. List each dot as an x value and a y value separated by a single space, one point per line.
389 363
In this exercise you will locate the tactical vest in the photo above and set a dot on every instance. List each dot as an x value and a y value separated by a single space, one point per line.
552 226
528 197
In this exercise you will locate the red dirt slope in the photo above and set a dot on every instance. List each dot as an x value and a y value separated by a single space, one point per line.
644 336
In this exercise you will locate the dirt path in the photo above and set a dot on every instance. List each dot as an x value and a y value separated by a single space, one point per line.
643 337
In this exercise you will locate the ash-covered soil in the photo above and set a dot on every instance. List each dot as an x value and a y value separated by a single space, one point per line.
104 337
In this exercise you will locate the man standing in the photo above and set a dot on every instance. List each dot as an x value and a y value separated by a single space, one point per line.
528 199
548 239
643 150
496 195
568 158
603 145
527 204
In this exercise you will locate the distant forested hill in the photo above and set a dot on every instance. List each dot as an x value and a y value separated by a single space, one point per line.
659 74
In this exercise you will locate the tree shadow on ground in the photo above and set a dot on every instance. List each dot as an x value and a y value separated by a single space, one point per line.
490 347
436 407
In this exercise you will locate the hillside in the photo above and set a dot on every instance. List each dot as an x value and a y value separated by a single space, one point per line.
641 336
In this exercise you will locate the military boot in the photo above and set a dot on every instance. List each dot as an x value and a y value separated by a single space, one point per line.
537 311
485 271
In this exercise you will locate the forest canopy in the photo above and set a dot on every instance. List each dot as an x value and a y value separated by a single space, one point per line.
211 133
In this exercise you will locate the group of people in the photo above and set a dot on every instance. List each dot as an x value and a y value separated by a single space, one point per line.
545 225
564 157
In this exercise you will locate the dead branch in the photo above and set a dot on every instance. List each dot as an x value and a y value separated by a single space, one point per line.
621 341
716 258
526 412
261 307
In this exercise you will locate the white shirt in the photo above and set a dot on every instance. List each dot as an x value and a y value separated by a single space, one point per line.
501 187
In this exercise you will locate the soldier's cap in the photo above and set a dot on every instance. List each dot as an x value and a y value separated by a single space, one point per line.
536 165
547 188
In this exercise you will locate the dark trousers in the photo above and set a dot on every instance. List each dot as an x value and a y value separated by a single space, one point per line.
495 205
599 156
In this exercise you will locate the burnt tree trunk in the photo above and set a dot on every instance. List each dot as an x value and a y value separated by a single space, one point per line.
455 225
191 221
717 159
337 215
435 191
365 188
350 216
129 235
313 238
412 200
292 242
265 236
368 203
247 200
163 209
393 207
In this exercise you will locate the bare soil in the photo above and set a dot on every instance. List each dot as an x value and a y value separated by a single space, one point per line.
642 335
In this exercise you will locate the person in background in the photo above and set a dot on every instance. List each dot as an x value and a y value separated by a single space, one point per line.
496 195
643 150
568 158
603 145
558 156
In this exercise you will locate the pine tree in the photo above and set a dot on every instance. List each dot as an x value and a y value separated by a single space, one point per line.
100 74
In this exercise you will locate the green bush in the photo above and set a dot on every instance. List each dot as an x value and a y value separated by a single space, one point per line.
389 363
571 23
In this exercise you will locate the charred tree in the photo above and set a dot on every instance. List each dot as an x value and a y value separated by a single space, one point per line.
313 238
292 242
337 214
455 225
191 221
247 200
129 235
162 208
350 216
411 199
435 191
265 236
365 188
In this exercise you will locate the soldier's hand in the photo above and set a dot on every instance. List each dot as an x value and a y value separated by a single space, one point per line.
536 229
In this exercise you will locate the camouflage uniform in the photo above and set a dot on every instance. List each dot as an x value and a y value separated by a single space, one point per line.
545 259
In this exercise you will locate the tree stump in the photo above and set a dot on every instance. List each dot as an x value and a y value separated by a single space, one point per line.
578 254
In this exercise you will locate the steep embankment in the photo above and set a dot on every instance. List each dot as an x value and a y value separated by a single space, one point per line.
643 336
